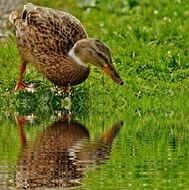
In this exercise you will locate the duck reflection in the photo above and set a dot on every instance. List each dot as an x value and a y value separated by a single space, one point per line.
60 155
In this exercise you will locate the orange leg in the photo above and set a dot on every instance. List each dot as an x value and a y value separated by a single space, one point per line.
20 85
66 89
62 89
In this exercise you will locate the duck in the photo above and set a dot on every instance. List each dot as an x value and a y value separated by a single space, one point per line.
56 43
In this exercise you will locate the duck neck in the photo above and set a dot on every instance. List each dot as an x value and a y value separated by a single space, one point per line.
77 59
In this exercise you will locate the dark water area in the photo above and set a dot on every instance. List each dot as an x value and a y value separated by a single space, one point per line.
61 152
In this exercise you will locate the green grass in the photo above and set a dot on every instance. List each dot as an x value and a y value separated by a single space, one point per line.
149 43
150 46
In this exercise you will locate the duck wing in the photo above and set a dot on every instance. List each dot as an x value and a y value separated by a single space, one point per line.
56 29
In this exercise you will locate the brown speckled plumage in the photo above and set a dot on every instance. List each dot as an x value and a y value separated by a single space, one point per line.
45 37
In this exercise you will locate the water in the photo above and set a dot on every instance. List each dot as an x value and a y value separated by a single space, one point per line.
94 152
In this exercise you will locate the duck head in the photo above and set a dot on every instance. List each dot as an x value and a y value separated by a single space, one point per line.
95 52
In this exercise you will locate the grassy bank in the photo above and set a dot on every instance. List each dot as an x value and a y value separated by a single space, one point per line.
150 47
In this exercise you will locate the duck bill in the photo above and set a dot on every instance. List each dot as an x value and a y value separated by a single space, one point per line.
111 72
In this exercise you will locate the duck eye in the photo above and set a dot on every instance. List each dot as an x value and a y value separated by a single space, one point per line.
103 57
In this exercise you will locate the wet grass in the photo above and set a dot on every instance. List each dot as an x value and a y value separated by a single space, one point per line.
149 42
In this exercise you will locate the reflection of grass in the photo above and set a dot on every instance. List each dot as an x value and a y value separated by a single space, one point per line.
155 157
149 43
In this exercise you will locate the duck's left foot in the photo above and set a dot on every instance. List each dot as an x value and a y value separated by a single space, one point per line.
66 89
62 90
20 86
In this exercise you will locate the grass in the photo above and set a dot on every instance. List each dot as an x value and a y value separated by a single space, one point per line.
149 41
150 47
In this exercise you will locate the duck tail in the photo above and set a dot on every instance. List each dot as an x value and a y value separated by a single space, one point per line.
15 15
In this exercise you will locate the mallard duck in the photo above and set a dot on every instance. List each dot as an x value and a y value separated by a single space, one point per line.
57 44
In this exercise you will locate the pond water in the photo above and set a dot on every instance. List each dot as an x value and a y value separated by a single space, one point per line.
94 152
